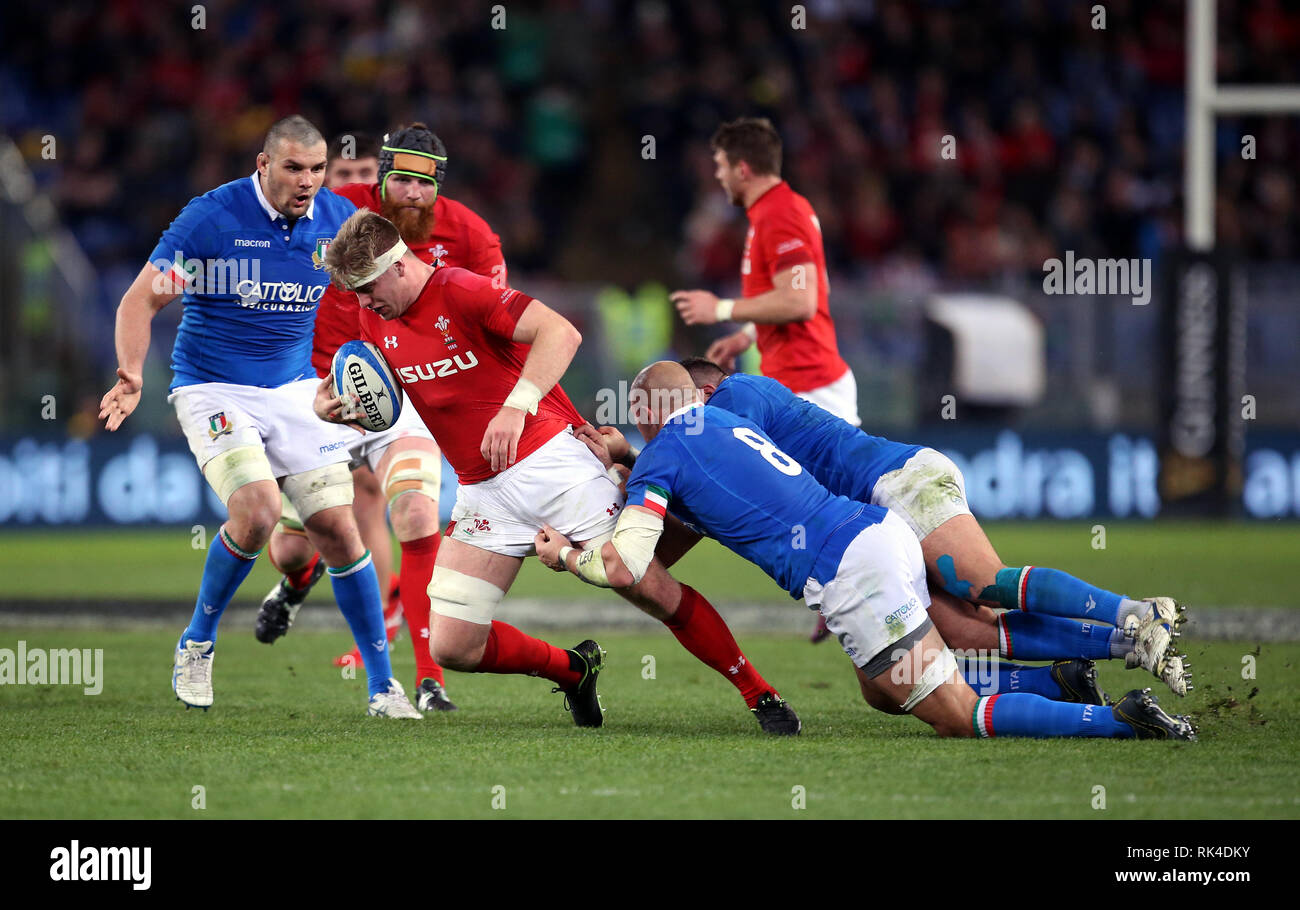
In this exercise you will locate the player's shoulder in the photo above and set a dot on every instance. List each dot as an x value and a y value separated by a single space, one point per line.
748 384
783 204
222 208
361 195
448 210
229 197
455 278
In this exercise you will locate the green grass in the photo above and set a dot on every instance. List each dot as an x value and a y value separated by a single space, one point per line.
1202 563
287 739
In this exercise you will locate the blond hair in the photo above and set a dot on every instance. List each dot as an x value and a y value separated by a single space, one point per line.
362 238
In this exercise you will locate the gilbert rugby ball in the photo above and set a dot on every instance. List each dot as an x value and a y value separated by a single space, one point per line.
361 372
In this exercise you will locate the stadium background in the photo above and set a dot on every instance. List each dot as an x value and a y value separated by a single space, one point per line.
580 133
114 114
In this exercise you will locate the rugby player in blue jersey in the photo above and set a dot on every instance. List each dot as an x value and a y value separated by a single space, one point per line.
246 260
860 564
926 489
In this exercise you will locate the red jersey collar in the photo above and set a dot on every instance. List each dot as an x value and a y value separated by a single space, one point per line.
766 194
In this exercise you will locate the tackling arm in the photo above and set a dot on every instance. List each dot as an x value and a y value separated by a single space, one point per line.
623 560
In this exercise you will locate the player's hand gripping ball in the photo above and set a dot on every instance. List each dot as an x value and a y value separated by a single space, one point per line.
362 376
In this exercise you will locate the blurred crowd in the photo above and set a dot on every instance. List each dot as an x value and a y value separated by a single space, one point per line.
580 129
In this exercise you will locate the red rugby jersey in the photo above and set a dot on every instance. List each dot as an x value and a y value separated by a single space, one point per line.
459 238
784 232
454 356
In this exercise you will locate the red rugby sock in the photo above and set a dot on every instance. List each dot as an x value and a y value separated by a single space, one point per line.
417 568
511 651
302 577
705 634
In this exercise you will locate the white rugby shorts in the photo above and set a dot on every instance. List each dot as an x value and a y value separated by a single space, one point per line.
219 416
878 596
926 491
560 484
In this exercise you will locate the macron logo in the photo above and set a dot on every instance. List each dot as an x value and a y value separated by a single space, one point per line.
102 864
264 244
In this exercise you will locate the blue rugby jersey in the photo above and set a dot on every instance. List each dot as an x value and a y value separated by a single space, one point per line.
252 284
718 473
842 457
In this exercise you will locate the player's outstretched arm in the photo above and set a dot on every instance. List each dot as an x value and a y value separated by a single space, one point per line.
554 341
793 298
149 293
620 563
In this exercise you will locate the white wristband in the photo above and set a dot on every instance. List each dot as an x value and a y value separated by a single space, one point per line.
750 330
523 396
613 475
723 311
564 557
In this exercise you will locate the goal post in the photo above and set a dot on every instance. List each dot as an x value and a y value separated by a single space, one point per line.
1203 330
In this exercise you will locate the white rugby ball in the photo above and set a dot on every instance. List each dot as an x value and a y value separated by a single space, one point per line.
360 372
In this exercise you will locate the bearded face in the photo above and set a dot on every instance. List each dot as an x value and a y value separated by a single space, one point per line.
408 203
414 220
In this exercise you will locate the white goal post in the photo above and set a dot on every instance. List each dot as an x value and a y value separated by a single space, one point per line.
1205 100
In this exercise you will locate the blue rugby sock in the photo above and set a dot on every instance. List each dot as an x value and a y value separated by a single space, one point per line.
1030 636
1019 714
1035 589
989 678
356 588
224 571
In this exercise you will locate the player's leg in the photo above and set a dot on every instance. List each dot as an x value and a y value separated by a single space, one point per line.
322 497
411 472
312 458
929 493
225 440
587 512
468 582
702 631
1144 636
370 509
919 675
905 662
974 632
371 514
230 558
296 559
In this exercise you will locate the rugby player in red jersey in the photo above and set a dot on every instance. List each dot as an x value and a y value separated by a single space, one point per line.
782 276
481 364
397 473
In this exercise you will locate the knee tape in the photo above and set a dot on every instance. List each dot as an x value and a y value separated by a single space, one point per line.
932 678
318 489
413 471
236 467
289 519
459 596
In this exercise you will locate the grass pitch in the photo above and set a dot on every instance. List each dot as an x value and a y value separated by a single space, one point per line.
287 738
1201 563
